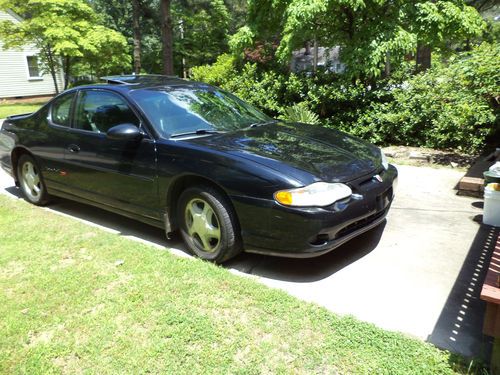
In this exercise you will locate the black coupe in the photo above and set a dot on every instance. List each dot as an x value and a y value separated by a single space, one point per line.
187 156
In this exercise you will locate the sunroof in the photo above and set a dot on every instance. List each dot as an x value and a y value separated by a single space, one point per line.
132 79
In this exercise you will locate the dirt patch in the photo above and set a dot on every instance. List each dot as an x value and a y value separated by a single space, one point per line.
30 100
427 156
12 269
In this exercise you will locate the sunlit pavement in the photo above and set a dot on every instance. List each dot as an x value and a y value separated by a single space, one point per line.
417 273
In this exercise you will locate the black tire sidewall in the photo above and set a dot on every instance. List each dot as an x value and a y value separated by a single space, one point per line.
43 196
229 242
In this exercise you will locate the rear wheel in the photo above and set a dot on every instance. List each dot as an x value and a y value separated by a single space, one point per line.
208 224
31 181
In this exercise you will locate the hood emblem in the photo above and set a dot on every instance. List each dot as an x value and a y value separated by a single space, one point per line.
377 178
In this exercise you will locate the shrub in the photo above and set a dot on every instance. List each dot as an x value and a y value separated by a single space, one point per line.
450 106
453 105
218 73
300 113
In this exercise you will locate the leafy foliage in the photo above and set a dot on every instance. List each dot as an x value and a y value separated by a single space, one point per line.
200 29
104 52
200 32
452 105
67 29
216 74
369 31
300 113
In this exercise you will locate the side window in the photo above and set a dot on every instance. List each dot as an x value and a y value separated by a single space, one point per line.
98 111
61 110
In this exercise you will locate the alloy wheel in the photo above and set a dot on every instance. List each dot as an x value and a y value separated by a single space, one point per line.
203 225
30 180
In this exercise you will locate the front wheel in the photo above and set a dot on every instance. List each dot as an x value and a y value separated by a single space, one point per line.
208 224
31 181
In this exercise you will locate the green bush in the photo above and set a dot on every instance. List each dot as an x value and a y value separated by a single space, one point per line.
450 106
220 72
300 113
453 105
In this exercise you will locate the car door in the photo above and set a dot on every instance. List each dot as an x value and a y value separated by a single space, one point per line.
52 137
121 174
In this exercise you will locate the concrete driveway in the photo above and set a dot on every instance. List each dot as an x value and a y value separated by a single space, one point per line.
419 273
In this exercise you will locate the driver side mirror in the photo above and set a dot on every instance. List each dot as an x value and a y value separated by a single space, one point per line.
124 132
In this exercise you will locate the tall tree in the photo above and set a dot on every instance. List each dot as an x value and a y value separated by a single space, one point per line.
200 29
366 30
436 23
136 27
167 38
200 32
63 31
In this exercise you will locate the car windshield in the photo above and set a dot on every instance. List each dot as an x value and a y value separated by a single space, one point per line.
181 110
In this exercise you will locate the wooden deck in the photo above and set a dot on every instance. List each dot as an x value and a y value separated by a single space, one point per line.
491 294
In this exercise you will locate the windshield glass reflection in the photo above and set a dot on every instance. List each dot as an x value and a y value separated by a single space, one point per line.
184 110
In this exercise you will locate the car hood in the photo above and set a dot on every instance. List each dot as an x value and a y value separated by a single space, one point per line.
293 148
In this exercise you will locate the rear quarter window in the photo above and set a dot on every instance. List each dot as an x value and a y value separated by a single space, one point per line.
61 110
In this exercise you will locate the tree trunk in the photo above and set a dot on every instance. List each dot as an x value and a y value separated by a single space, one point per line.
387 68
52 67
423 57
136 28
166 37
315 55
307 48
67 67
184 67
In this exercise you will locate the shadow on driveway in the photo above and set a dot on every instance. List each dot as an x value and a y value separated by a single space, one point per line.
284 269
310 269
461 321
111 221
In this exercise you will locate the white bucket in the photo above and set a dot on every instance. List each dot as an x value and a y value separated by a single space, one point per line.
491 215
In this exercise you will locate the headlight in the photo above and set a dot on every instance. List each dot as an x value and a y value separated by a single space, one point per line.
385 162
317 194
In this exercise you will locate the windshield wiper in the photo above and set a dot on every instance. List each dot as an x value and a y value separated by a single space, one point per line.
257 124
196 132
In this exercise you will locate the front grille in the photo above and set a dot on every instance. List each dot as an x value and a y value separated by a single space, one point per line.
360 223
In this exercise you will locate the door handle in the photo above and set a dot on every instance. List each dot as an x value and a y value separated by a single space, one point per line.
73 148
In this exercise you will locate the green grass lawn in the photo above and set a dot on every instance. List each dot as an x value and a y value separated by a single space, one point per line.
18 108
74 299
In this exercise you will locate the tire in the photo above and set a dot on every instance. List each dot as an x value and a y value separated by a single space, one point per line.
208 224
31 181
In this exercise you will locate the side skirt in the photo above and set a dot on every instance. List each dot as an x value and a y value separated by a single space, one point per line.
146 220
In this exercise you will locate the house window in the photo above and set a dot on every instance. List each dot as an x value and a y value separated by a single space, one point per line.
33 67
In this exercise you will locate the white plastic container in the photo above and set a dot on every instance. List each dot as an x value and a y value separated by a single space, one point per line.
491 215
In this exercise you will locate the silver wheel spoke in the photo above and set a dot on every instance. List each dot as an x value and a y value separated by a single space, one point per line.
213 232
206 242
207 211
192 229
29 183
190 220
31 171
36 180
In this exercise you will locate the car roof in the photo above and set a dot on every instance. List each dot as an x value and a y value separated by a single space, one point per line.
142 81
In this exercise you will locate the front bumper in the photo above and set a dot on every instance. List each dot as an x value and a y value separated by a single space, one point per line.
272 229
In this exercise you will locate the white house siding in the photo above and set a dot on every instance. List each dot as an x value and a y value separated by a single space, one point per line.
328 58
14 77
